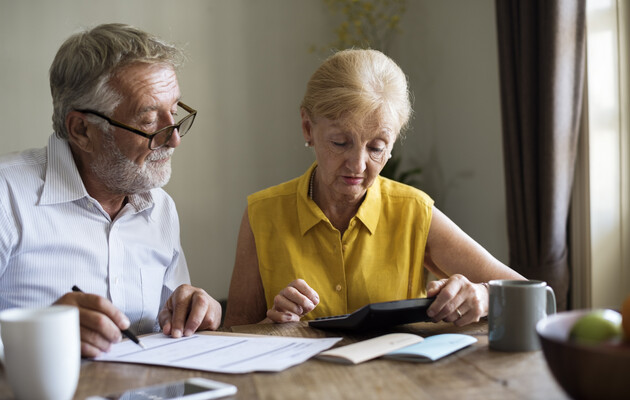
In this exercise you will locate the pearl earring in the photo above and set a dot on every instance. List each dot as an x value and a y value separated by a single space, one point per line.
307 144
389 156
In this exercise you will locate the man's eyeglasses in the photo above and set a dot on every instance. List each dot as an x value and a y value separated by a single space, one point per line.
158 138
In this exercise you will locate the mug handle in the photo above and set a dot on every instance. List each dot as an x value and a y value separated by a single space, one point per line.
551 301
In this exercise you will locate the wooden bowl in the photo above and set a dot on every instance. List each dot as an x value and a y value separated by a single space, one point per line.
599 371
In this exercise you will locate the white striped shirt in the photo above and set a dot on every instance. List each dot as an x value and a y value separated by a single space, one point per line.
53 235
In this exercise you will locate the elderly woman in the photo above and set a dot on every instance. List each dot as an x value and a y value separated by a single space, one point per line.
341 236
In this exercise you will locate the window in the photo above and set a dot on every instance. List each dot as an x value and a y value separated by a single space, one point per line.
601 203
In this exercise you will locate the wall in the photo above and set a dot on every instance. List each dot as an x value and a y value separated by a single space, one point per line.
249 62
449 51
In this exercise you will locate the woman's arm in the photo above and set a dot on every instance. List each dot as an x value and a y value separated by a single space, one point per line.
463 265
451 251
246 300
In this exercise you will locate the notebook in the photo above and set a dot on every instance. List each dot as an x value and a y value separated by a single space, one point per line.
432 348
359 352
399 346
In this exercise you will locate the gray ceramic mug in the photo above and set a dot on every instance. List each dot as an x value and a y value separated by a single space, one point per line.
515 308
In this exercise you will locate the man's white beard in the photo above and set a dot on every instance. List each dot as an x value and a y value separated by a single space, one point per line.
120 175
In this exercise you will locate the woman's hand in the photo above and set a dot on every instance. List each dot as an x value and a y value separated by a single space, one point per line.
293 302
457 300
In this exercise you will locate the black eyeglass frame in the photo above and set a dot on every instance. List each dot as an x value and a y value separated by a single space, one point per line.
192 114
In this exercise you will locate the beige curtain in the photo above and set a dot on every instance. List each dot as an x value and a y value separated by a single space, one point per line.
541 64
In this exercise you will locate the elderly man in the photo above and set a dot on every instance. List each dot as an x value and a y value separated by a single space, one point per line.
87 210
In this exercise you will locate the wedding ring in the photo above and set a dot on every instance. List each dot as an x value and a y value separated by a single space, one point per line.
459 314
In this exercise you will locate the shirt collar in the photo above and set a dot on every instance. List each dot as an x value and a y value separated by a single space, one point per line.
63 182
309 214
370 210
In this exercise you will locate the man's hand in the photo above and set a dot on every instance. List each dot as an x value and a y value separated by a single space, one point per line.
101 322
187 310
294 301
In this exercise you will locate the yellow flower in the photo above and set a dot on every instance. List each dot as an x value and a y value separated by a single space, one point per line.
372 22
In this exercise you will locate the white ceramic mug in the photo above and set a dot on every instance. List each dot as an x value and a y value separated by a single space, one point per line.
42 351
515 308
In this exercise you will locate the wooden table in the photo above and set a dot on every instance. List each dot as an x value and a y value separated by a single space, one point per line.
473 373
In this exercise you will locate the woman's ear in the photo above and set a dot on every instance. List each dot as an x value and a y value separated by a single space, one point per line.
307 126
77 126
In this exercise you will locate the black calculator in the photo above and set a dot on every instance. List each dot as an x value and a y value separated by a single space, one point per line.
378 316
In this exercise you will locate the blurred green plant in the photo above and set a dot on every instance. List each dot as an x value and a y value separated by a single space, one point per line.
365 23
408 176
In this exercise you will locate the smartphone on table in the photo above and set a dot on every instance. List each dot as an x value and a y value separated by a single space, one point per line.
189 389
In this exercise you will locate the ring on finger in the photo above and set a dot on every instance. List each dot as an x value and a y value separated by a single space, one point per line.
459 313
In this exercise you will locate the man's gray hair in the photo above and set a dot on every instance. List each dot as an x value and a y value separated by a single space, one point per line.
85 63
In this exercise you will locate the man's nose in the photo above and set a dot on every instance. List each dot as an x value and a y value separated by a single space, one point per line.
175 139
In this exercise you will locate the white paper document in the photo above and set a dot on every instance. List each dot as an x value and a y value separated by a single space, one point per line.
220 353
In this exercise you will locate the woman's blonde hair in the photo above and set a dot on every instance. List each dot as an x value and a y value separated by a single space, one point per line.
359 85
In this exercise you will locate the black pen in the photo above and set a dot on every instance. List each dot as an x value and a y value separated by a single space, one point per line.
125 332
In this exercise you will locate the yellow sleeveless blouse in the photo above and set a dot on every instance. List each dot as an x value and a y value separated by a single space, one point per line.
379 258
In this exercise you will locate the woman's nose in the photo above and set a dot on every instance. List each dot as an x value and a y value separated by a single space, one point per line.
357 160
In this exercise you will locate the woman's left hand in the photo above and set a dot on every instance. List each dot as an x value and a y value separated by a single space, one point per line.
457 300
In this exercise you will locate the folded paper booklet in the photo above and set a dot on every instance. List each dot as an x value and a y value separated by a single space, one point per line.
356 353
432 348
399 346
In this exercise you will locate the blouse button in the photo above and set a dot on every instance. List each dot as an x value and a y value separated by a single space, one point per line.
338 288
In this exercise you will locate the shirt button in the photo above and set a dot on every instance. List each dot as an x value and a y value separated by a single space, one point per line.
116 280
338 288
344 247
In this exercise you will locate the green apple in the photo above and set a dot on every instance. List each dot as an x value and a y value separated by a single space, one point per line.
597 326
